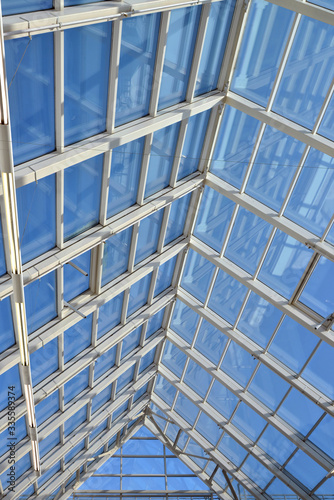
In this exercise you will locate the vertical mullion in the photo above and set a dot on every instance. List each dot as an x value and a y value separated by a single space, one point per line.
210 138
163 229
178 152
60 209
116 39
59 89
133 247
144 169
105 187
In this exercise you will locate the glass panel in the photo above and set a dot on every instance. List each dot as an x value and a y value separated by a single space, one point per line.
49 474
49 406
104 362
256 471
305 469
319 371
131 341
208 428
214 46
7 338
299 412
110 315
19 6
186 409
125 379
238 363
161 159
177 218
74 451
232 450
86 80
3 268
77 338
268 387
146 361
197 378
116 255
82 192
293 344
124 176
193 142
9 435
139 293
210 342
49 443
311 202
227 297
144 389
274 167
136 65
284 264
36 205
184 321
308 73
249 422
261 50
165 275
279 488
276 445
97 430
323 3
148 236
165 390
222 399
154 323
101 398
75 282
9 381
30 76
76 385
179 50
214 215
259 319
73 422
197 275
323 435
326 128
248 239
40 299
44 361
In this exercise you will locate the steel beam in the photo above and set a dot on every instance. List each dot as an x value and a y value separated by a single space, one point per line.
307 9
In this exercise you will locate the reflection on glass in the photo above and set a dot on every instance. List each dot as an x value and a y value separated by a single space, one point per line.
227 297
116 255
197 275
197 378
87 54
179 50
210 342
261 50
238 364
33 127
135 74
148 236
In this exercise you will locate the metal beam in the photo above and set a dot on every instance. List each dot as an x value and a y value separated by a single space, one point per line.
307 9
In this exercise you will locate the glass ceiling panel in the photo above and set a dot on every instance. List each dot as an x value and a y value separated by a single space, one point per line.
306 470
44 361
326 128
2 253
77 338
210 341
197 275
7 338
116 255
19 6
323 3
299 412
318 294
177 218
227 297
110 315
75 282
40 299
148 236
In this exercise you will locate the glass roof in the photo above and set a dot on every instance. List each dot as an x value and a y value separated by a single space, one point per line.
166 249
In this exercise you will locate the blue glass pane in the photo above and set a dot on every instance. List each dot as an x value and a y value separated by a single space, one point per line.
311 202
161 159
74 451
110 315
131 341
76 385
101 398
235 142
323 436
2 253
326 127
75 282
173 358
305 469
268 387
186 409
124 176
5 436
136 65
82 191
121 409
210 342
311 64
7 338
9 381
232 450
78 2
165 275
22 465
238 363
284 264
77 338
323 3
148 236
146 361
36 205
214 46
74 421
143 390
125 379
179 50
299 412
213 218
293 344
256 471
40 299
320 370
33 127
104 362
165 390
177 218
154 323
47 407
49 474
249 422
193 143
276 445
279 488
49 443
44 361
248 239
19 6
227 296
261 50
274 167
259 319
222 399
184 321
139 293
197 275
116 255
97 430
208 428
86 80
197 378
